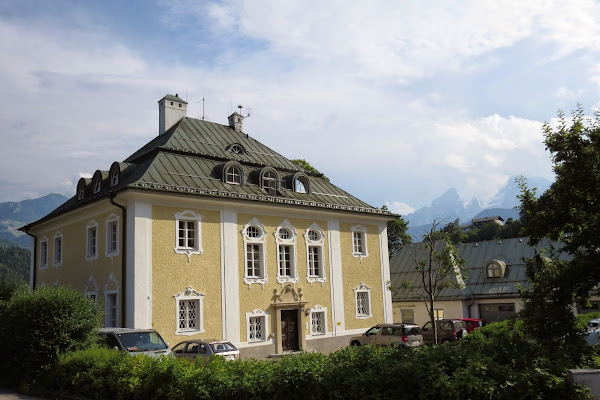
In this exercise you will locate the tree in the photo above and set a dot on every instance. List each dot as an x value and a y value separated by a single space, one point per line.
306 166
569 213
455 232
396 233
439 267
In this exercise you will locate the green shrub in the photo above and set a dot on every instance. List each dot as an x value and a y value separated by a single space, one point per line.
37 326
582 320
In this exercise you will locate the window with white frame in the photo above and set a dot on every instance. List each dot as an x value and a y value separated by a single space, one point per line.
91 289
188 233
112 235
233 174
285 237
254 235
359 241
362 295
44 252
189 307
318 320
114 176
91 252
58 250
270 181
111 302
315 240
257 324
81 189
97 184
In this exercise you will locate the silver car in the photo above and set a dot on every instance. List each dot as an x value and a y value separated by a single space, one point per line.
134 341
206 348
387 334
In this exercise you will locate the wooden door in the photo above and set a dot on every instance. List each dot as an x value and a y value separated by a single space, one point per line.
289 330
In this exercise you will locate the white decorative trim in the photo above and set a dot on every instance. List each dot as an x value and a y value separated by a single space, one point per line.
112 218
190 294
44 247
111 287
318 243
318 309
338 319
362 288
189 215
291 241
56 255
230 276
261 241
258 313
359 229
388 310
91 289
88 255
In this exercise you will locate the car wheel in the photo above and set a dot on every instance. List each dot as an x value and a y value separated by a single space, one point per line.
355 343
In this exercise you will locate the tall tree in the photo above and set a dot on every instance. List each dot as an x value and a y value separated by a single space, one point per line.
306 165
396 233
568 212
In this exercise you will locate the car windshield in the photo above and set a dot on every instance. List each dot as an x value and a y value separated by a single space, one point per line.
222 347
142 341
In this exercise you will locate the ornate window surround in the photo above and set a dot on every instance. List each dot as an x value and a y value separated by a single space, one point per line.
57 251
111 287
318 309
291 241
318 243
91 289
112 218
44 250
361 232
257 313
362 288
189 294
262 242
89 256
189 215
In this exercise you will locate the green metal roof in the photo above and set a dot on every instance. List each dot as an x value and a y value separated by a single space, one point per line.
189 159
512 252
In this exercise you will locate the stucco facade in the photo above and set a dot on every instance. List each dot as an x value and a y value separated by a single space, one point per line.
270 257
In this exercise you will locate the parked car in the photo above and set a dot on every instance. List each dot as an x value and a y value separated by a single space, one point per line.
448 330
593 324
134 341
473 323
386 334
206 348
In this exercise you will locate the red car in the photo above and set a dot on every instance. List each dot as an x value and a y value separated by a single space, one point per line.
473 323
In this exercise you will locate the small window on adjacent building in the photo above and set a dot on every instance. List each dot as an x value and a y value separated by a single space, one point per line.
438 313
44 253
362 295
254 241
495 268
257 326
314 254
233 175
92 241
189 238
408 316
318 321
189 312
58 249
112 235
359 241
111 301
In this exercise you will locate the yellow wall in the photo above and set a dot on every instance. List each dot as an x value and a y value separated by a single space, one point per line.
172 273
75 269
367 271
256 296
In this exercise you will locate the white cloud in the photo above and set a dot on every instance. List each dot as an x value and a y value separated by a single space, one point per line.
398 207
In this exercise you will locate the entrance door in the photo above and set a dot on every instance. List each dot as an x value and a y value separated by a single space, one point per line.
289 329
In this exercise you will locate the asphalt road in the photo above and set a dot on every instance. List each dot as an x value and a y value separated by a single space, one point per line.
9 395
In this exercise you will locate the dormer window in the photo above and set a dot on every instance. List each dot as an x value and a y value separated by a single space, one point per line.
97 184
269 181
237 149
232 173
495 269
114 176
300 183
81 189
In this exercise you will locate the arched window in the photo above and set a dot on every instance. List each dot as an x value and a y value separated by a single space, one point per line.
81 188
269 180
254 234
114 174
232 173
97 182
495 269
237 148
300 183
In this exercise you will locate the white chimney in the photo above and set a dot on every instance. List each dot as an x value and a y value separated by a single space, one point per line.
170 110
236 121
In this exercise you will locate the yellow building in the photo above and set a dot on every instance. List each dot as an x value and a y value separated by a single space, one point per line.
205 232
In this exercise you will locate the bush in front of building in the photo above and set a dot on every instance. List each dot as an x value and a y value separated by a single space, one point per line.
39 325
496 363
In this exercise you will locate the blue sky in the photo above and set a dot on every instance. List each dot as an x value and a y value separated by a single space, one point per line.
395 101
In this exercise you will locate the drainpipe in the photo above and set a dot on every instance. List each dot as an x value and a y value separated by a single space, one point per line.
34 258
111 197
470 305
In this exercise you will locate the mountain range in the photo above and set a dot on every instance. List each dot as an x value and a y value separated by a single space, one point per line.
15 214
449 206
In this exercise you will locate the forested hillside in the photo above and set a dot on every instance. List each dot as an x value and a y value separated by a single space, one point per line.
14 263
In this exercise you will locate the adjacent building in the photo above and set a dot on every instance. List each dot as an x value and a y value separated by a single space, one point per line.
206 232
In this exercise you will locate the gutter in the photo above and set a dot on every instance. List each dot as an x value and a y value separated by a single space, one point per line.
33 269
111 197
